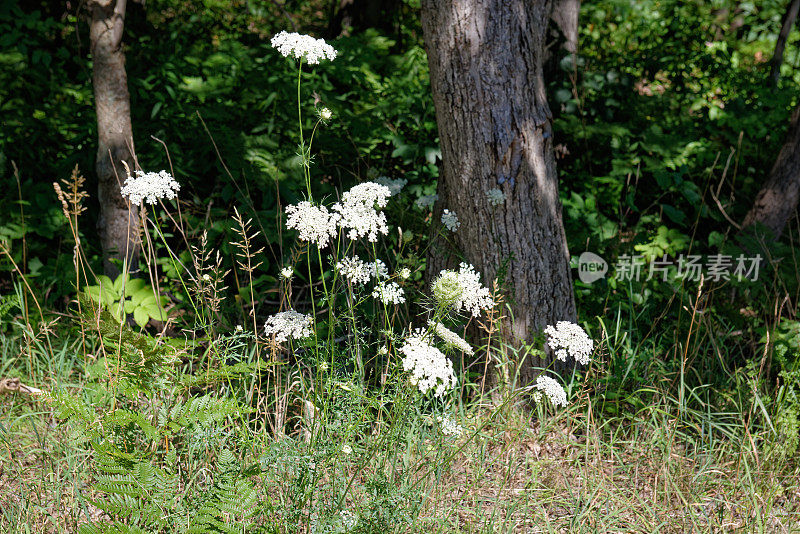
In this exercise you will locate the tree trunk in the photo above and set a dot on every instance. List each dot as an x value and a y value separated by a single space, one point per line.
485 59
777 200
780 45
565 18
118 223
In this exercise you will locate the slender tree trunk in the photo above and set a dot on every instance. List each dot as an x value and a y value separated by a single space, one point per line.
117 225
565 18
485 59
786 27
777 200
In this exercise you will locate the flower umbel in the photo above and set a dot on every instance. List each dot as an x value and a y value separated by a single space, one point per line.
569 339
462 289
449 426
303 46
450 220
289 324
389 293
430 369
395 185
314 223
149 186
358 213
552 389
446 289
358 272
354 270
451 339
495 197
426 201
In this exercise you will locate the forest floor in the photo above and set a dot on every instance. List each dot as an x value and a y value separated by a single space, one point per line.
573 473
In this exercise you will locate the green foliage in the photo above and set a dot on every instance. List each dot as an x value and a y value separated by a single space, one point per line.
127 295
148 439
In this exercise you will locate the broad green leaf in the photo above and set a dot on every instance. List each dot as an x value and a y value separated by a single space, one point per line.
141 316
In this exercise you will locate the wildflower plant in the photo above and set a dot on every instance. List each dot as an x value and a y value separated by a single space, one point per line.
351 356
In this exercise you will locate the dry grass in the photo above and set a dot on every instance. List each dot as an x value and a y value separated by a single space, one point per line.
510 473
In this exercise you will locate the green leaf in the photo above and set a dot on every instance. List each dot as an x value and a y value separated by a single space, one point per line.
141 316
156 312
141 295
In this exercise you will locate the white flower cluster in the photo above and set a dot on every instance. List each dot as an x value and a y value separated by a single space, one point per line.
462 289
430 369
450 338
449 426
495 197
450 220
359 272
394 185
303 46
569 339
315 223
349 520
389 293
357 210
426 201
550 387
289 324
325 114
354 270
149 186
286 273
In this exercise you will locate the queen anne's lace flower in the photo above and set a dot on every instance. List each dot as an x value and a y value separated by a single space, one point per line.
389 293
450 338
569 339
289 324
286 273
325 114
426 201
358 212
552 389
449 426
450 220
495 197
447 290
462 289
475 297
314 223
378 270
394 185
149 186
359 272
354 270
303 46
430 369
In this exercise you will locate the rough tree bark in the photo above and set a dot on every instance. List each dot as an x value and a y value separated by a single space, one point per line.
777 199
780 45
485 59
117 225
